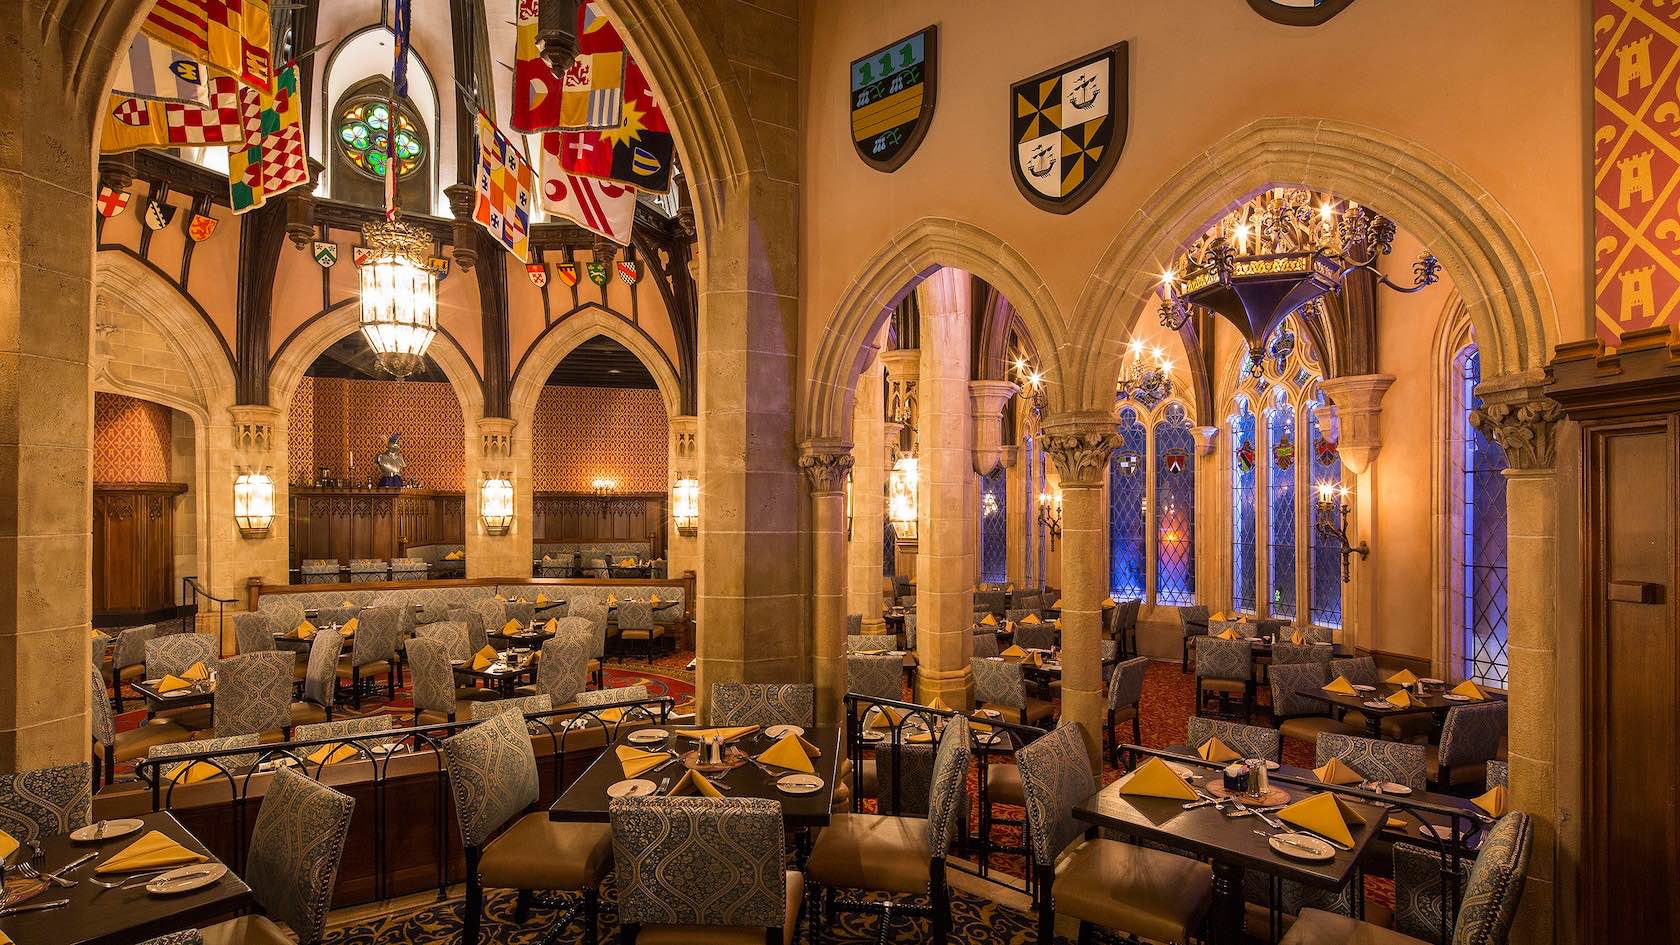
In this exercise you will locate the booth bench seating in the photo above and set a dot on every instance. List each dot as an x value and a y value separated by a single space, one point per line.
573 558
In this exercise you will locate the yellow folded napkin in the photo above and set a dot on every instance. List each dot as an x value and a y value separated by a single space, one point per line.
1057 605
331 754
1058 623
483 658
788 753
1334 772
1014 652
627 562
1229 634
500 597
1154 779
1108 602
1031 619
888 717
612 599
305 630
1340 685
512 627
939 703
634 761
347 603
727 733
553 626
990 620
196 672
1218 616
8 844
542 600
1494 801
1010 589
1215 750
1400 699
654 600
1324 814
695 783
613 714
194 773
1468 688
1298 638
1403 678
458 555
349 628
686 708
173 683
149 852
918 738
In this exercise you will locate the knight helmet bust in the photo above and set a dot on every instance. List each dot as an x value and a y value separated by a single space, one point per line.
391 463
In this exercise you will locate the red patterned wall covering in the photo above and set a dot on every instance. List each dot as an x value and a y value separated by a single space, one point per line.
330 417
1636 165
584 432
131 439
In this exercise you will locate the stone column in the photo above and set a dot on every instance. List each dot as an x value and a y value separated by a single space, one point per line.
1018 512
683 551
986 402
1080 445
1525 426
863 546
1358 401
944 566
826 464
493 452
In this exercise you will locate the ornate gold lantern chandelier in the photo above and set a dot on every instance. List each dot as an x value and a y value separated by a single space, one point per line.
1280 251
399 296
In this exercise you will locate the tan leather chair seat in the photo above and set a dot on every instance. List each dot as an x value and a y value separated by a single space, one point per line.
654 634
538 853
1307 728
1233 686
1037 710
376 668
135 743
726 934
246 930
1125 713
1316 927
1003 785
307 713
1121 886
868 851
1399 728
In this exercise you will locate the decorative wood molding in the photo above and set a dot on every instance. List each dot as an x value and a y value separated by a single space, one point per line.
1641 377
261 236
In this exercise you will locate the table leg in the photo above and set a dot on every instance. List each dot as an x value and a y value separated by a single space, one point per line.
1373 724
1227 903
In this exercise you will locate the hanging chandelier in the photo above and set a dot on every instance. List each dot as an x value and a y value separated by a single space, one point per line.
399 296
1146 381
1277 253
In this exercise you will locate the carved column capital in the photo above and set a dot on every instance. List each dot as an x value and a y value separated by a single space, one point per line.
254 432
685 446
1081 449
495 440
1526 429
1205 438
826 464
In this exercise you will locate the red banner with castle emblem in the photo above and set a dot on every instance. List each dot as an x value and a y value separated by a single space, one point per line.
1636 166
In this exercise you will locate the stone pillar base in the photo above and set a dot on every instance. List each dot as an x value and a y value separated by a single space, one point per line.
955 686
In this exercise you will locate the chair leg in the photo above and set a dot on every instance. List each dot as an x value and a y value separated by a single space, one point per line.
522 906
591 915
941 896
355 688
473 907
116 687
110 763
1046 906
1137 727
813 921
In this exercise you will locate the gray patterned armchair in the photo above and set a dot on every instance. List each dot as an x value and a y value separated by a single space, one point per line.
764 704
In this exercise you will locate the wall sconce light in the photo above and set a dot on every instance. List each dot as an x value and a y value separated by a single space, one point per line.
848 506
901 497
253 503
685 505
495 505
1332 523
604 486
1050 513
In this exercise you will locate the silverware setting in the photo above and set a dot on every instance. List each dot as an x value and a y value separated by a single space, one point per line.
1290 841
123 883
57 876
34 907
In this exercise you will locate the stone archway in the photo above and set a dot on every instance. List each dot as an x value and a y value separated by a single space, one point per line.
559 339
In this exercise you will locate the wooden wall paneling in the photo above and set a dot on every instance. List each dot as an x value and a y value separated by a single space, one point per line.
571 517
342 524
133 551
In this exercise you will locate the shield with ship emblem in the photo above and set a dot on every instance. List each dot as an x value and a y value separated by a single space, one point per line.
1299 12
892 92
1069 127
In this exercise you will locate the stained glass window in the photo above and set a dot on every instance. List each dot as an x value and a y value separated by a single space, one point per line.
1175 509
1481 515
994 529
362 128
1326 575
1280 457
1243 467
1127 488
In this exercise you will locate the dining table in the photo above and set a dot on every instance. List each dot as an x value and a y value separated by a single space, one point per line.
201 692
503 674
289 640
586 800
1375 707
94 915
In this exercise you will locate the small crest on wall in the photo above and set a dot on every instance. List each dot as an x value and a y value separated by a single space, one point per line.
440 265
325 253
1325 450
1299 12
200 226
567 273
159 215
1068 128
538 273
629 270
360 255
1245 456
112 202
892 99
598 273
1176 460
1283 452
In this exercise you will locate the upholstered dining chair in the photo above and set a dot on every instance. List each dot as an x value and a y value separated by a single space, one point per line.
1362 671
897 854
492 773
1125 704
227 765
1296 714
99 648
1487 909
635 625
1374 760
348 728
563 671
292 865
985 642
432 683
177 652
1470 738
1035 636
854 625
519 705
45 801
319 571
910 631
523 611
452 635
128 658
1246 629
253 633
1498 774
597 615
320 680
735 703
112 746
595 697
1142 892
1250 741
870 643
283 615
373 651
875 675
1002 685
1125 624
1225 668
1359 670
1420 899
1193 622
1288 654
368 570
254 695
703 870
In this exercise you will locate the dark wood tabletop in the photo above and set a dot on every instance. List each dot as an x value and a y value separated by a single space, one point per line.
531 637
96 916
1430 704
201 693
586 799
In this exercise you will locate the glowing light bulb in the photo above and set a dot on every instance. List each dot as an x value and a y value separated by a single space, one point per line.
1168 277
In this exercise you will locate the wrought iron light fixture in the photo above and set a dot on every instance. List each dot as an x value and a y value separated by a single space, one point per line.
902 486
1146 381
685 505
495 505
1332 523
1279 252
1031 382
604 486
399 296
1050 513
253 503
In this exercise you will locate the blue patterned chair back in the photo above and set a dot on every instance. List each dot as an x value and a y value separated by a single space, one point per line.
320 677
227 763
1498 774
985 642
253 632
1250 741
449 634
699 861
102 722
1125 684
635 615
296 847
564 670
1419 898
520 706
1290 681
869 643
596 613
854 624
46 801
593 697
1288 654
1359 670
1035 636
1496 883
875 676
282 615
1400 762
1055 775
431 676
1224 659
493 774
999 683
1193 619
734 703
346 728
949 790
1471 733
254 693
377 632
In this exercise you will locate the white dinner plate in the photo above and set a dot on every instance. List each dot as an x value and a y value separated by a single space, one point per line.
1391 787
1183 771
386 748
1301 846
186 879
648 736
1272 765
632 787
1379 704
113 829
1322 643
1455 697
1438 831
783 731
799 784
1360 687
871 735
1432 681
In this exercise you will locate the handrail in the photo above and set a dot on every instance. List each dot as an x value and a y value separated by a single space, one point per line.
187 612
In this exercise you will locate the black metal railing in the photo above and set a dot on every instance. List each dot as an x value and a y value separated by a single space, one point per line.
195 597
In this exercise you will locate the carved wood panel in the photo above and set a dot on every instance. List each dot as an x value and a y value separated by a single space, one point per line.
568 517
133 551
371 523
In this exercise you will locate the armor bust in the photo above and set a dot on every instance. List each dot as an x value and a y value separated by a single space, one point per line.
391 463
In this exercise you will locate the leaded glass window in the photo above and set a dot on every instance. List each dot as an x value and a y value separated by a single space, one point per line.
1175 509
1243 469
362 129
994 528
1280 509
1482 551
1127 489
1325 578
